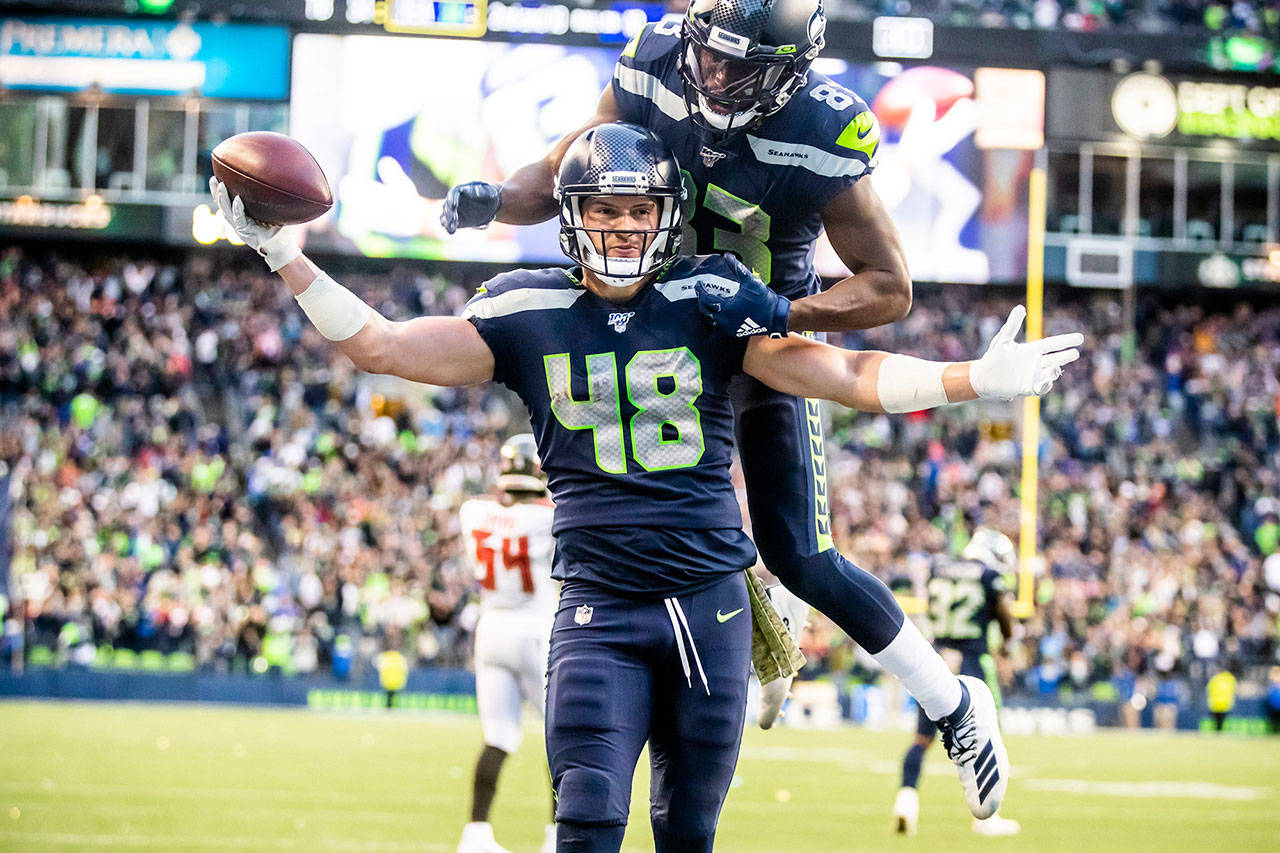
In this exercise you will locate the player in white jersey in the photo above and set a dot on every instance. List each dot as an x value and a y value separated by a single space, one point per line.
509 539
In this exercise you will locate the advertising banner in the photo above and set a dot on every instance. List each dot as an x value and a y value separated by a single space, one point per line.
145 57
1168 109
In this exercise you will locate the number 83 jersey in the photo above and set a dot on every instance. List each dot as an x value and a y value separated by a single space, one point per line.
630 409
759 193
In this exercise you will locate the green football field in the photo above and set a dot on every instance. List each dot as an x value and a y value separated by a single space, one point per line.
143 777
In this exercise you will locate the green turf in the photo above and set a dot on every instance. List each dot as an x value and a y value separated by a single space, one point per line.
142 777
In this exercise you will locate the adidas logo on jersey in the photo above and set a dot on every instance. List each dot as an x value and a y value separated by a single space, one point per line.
750 327
709 157
619 320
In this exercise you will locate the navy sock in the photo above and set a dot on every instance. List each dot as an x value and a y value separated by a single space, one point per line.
911 766
963 708
664 842
577 838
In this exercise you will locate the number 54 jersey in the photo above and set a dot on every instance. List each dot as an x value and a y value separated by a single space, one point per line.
760 192
630 409
510 548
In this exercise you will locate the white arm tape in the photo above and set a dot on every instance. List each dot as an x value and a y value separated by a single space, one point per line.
335 311
907 384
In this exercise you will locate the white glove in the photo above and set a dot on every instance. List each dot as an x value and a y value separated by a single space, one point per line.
269 241
1010 369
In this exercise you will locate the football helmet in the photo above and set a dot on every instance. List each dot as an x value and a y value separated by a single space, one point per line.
519 469
993 549
742 60
626 160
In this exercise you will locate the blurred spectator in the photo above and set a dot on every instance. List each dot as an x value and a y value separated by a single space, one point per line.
202 480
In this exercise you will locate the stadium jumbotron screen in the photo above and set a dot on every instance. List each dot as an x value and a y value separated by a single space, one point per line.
413 117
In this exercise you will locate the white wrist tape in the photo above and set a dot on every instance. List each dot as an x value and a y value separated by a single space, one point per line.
335 311
907 384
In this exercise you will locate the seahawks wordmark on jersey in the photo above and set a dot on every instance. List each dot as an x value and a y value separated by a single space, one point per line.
757 193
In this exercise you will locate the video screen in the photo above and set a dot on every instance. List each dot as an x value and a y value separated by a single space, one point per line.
961 210
395 122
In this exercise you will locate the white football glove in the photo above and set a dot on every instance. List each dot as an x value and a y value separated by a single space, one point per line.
269 241
1010 369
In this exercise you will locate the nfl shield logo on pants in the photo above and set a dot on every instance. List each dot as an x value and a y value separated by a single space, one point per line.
583 615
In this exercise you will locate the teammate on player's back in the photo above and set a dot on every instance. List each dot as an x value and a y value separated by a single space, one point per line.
965 597
509 539
627 388
773 153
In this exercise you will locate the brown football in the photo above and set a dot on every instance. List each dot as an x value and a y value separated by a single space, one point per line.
279 180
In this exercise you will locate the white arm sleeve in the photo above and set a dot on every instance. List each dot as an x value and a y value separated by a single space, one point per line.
907 384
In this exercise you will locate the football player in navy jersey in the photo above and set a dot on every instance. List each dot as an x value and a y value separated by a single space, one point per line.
627 387
965 596
773 154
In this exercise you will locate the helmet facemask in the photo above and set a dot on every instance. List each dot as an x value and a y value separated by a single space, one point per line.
730 82
660 245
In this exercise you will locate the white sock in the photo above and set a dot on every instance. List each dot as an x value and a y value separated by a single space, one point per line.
922 671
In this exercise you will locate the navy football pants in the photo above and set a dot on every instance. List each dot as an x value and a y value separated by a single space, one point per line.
784 464
616 679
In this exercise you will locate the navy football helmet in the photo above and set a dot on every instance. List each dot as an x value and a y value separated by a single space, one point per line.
742 60
519 468
627 160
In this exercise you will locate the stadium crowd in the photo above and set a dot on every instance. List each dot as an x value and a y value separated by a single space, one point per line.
198 476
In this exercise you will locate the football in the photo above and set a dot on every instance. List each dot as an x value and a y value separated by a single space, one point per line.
279 180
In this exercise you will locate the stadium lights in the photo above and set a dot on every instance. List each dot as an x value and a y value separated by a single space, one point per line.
208 227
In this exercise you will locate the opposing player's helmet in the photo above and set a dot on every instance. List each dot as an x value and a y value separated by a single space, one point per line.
519 469
743 59
625 160
992 548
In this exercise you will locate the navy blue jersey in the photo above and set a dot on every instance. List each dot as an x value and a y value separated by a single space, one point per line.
962 604
631 413
759 193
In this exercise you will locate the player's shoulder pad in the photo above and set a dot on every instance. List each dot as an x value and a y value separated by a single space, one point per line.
825 128
654 41
523 290
473 507
678 279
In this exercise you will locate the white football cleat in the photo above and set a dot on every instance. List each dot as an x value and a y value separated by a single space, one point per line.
996 826
795 615
549 839
906 811
971 736
478 838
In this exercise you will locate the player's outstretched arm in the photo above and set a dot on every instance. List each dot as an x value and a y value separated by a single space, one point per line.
525 198
889 382
436 350
866 240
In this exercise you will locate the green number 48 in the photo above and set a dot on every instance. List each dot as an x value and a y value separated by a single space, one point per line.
666 430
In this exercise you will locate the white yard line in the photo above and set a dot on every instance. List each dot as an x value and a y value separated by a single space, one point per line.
1146 790
170 842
